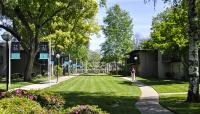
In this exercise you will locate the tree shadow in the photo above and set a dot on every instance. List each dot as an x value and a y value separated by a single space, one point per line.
120 76
178 104
94 74
154 81
107 102
126 82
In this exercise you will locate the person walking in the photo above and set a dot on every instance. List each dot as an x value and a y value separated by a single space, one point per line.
133 73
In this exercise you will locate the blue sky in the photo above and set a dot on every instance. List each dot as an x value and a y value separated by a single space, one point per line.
140 12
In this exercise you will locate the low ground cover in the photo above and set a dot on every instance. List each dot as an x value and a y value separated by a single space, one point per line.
111 94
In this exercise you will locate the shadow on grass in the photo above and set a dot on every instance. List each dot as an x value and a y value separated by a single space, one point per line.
178 104
107 102
95 74
126 82
154 81
120 76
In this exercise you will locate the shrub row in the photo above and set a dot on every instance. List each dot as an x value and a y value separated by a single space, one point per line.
39 102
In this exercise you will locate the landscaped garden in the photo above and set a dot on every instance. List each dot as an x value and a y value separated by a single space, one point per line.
103 94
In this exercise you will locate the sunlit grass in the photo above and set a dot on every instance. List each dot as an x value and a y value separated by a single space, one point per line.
165 86
112 94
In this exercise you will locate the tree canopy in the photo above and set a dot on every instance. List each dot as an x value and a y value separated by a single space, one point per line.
119 35
65 22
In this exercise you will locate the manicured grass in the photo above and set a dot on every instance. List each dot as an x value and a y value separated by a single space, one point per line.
112 94
165 86
19 83
177 104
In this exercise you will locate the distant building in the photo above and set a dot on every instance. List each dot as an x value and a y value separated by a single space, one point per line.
18 66
2 60
154 64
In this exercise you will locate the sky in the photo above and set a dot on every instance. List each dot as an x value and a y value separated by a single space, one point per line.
140 12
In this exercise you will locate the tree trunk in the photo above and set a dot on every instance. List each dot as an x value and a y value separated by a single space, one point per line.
193 92
116 67
29 66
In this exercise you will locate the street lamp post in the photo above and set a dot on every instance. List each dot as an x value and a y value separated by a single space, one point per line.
7 37
57 57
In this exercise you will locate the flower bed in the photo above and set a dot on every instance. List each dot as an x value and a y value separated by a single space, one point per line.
85 109
40 102
18 105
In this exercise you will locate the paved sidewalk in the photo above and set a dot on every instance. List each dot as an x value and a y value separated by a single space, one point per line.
176 93
45 84
149 100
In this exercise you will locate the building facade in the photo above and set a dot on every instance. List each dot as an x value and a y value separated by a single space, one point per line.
153 63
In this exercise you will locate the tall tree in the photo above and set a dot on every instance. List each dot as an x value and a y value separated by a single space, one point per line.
93 59
118 31
193 36
31 20
169 34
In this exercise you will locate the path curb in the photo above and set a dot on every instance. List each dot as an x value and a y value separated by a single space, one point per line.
149 100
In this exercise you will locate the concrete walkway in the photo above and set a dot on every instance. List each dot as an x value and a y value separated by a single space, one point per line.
46 84
176 93
149 100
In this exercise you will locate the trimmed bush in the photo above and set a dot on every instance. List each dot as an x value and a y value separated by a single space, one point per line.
51 102
18 105
85 109
48 99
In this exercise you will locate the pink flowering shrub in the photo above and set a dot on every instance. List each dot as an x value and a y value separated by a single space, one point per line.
18 105
47 100
16 93
85 109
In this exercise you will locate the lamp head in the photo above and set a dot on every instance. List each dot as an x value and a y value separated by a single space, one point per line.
135 58
6 36
57 56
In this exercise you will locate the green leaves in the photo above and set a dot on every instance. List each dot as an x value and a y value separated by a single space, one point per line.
118 31
169 31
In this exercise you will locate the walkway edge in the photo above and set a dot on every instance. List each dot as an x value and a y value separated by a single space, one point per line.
149 100
45 84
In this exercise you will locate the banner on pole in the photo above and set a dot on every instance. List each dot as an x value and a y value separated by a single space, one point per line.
15 50
44 51
44 56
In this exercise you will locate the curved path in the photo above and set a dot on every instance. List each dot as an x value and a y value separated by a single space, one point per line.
149 100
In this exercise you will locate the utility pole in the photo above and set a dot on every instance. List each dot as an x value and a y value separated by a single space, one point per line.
49 63
69 65
9 63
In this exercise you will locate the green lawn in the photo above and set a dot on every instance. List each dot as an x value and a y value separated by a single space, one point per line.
165 86
19 83
177 104
112 94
